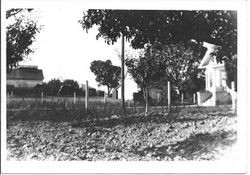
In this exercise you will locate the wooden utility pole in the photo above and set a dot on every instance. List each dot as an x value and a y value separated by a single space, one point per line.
169 97
122 73
86 95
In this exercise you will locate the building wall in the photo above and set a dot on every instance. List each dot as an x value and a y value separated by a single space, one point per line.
216 84
215 76
24 83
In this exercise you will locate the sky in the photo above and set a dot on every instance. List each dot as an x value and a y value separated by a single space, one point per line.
64 50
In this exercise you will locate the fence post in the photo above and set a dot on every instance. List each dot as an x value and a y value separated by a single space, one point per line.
233 96
104 98
11 95
194 98
42 97
182 97
86 94
74 98
129 103
169 97
66 104
158 97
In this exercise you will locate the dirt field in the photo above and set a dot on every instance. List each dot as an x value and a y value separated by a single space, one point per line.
190 135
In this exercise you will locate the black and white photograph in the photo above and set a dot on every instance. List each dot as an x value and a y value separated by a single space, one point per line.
129 88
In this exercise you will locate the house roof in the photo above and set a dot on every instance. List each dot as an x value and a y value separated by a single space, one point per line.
25 73
207 57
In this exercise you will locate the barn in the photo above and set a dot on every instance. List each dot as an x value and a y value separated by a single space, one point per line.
25 77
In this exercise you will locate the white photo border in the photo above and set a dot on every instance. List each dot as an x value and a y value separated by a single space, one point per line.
237 164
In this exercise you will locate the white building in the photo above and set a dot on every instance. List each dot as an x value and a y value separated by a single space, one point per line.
217 91
25 77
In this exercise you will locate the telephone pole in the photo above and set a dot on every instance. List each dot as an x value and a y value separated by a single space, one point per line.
122 73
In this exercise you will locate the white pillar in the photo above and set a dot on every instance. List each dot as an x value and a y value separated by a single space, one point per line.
194 98
182 97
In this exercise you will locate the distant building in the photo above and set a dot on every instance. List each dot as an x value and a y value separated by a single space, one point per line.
92 91
25 77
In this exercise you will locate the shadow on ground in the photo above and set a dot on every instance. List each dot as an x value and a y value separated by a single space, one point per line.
202 146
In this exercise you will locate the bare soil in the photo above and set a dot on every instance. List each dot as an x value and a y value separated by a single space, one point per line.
156 136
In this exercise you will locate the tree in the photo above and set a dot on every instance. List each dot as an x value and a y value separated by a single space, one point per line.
53 86
181 62
160 63
146 70
106 73
72 83
168 27
20 35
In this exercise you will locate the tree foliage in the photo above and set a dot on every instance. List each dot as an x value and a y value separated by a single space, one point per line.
181 65
148 69
106 73
57 87
70 82
160 63
20 34
149 26
53 86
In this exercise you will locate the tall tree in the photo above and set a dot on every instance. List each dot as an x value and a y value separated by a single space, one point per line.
106 73
172 26
146 71
20 35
